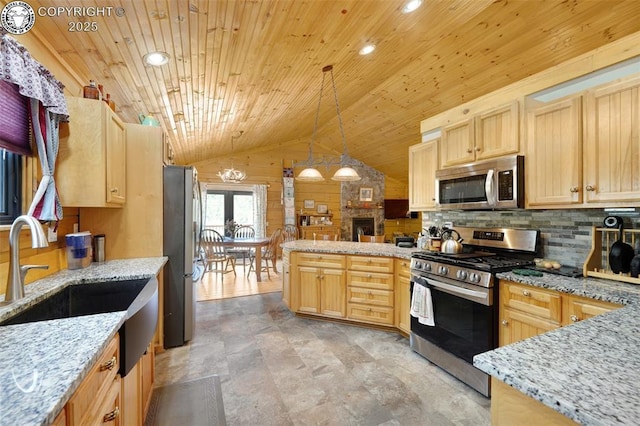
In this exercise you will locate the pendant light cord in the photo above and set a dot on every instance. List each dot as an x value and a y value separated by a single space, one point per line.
315 124
335 96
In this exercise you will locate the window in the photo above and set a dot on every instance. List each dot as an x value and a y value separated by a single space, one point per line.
10 186
222 206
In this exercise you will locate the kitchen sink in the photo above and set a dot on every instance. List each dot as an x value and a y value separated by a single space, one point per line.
138 297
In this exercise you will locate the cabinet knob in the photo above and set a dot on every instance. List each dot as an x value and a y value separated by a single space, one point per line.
114 190
526 293
590 188
504 323
574 189
368 275
469 151
574 318
477 149
111 416
108 365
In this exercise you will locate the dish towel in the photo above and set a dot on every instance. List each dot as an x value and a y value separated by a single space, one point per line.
421 305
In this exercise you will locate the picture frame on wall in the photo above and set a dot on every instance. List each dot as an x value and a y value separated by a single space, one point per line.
309 204
322 209
366 194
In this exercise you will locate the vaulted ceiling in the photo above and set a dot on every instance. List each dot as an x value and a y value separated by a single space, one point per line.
255 66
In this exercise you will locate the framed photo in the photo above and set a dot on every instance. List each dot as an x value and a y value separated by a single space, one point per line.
322 208
366 194
309 204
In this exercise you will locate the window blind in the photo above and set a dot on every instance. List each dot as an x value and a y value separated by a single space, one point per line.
14 119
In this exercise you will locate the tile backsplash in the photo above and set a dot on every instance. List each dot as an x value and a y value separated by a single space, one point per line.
565 234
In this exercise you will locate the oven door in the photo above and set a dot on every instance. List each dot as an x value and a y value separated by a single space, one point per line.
464 316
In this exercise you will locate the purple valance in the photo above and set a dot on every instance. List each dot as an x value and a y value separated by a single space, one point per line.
34 80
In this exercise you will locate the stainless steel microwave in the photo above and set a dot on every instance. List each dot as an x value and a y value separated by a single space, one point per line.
484 185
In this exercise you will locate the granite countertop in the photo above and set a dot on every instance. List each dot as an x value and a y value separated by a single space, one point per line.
588 371
349 247
43 363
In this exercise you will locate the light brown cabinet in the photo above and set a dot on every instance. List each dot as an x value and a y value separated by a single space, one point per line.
321 282
612 143
370 284
489 134
286 279
91 165
423 163
526 311
403 295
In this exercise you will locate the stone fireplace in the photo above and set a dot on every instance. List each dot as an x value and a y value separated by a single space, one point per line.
365 224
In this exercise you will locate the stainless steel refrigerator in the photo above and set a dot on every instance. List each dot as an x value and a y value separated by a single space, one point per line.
182 218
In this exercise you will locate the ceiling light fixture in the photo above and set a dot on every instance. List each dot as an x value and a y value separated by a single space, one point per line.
156 59
368 48
411 5
343 174
232 175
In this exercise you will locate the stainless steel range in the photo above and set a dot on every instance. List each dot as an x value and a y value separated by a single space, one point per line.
463 293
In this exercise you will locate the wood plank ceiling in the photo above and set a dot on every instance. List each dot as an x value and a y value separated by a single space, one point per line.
255 66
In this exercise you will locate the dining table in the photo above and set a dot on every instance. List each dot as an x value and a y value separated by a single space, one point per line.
255 243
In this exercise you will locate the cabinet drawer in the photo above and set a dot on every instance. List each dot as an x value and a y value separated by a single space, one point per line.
576 308
535 301
370 314
370 280
370 264
96 384
108 410
369 296
321 260
402 268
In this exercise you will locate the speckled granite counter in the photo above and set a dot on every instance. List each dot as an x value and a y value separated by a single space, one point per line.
349 247
43 363
589 371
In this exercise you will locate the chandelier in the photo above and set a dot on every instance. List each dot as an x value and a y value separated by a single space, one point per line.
311 173
232 175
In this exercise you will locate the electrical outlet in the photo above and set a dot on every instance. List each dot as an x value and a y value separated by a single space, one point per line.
52 235
448 225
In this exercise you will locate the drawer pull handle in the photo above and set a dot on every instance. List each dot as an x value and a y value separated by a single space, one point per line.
114 190
111 416
526 293
574 318
109 364
504 322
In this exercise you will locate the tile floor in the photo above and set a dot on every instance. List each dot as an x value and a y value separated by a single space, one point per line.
279 369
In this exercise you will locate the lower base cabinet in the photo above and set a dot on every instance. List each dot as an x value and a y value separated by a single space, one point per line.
403 295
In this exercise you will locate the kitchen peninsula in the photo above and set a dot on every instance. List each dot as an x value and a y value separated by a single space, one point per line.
588 371
366 283
44 363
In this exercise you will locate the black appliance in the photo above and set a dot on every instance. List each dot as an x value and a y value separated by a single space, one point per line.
398 209
464 295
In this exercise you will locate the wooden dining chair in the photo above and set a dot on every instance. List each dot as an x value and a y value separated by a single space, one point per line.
244 231
290 233
370 238
211 245
269 254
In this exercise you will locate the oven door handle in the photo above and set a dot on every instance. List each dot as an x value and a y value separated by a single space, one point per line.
465 293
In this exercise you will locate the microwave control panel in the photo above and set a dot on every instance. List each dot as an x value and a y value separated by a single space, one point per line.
505 185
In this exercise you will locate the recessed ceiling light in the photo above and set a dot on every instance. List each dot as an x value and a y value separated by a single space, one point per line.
156 59
367 49
411 5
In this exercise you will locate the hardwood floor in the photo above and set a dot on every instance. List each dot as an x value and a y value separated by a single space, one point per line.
214 285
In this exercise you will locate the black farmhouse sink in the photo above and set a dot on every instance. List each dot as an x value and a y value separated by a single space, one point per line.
138 297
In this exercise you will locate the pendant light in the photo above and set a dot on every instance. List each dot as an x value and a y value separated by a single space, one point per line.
310 173
232 175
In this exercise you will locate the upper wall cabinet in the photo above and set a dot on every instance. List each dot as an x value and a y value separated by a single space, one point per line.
490 134
553 160
585 151
90 170
423 162
612 143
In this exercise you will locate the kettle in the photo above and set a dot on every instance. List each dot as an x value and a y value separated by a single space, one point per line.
449 244
148 120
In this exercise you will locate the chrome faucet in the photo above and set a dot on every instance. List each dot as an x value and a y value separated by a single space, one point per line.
15 281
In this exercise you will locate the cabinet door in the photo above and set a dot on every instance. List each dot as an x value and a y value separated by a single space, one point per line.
423 163
286 282
516 326
403 303
554 154
612 143
497 132
576 308
309 289
333 293
458 143
116 159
